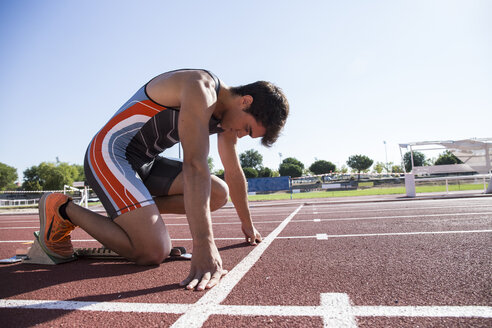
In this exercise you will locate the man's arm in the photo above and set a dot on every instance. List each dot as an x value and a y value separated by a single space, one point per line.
197 100
236 182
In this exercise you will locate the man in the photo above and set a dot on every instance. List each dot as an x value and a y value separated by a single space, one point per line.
135 185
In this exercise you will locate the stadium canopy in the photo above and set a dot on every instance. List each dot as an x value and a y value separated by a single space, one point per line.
474 153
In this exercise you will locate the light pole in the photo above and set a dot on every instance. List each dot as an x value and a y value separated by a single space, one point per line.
386 157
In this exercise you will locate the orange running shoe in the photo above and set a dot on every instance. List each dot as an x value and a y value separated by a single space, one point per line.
54 234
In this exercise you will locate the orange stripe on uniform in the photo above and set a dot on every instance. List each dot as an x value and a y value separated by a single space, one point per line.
116 190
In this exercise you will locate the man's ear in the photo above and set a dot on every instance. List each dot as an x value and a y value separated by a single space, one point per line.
247 100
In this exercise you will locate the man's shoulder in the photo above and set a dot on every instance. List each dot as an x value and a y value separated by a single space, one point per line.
169 88
191 75
201 81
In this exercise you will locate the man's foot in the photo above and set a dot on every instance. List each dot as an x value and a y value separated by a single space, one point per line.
54 234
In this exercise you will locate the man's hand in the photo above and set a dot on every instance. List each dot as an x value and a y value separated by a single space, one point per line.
206 268
251 234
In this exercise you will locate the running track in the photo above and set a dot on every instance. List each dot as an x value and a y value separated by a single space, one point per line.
424 263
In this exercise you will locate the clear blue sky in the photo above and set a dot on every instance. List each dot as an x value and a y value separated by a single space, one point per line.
356 73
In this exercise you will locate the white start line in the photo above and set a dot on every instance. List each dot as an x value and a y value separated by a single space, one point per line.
335 309
324 236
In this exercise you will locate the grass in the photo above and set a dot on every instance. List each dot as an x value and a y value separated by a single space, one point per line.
18 207
341 193
36 206
364 192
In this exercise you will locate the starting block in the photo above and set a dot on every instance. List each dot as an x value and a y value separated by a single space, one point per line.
36 255
177 253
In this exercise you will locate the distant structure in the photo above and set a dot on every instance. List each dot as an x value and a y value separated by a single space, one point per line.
476 155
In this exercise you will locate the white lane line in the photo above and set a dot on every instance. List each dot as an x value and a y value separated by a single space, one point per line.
215 238
358 311
93 240
333 306
344 219
226 223
337 311
423 311
416 216
296 221
324 236
270 310
199 312
321 236
31 240
331 210
95 306
270 213
394 217
312 220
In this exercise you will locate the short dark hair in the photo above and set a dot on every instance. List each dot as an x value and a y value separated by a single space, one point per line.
270 108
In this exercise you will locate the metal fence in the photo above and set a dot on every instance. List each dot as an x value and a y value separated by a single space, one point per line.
18 202
31 198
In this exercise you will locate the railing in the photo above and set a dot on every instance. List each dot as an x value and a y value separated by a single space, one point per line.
80 197
18 202
478 178
411 182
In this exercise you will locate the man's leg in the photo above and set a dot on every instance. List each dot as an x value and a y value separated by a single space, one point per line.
139 235
174 201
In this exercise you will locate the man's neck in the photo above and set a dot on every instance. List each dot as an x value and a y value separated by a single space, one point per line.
224 102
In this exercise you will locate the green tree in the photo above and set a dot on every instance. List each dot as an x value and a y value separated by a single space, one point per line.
359 163
388 166
265 172
210 161
378 167
447 158
220 174
251 158
52 176
81 173
250 172
396 169
322 167
418 160
294 161
344 169
288 169
71 172
8 175
32 179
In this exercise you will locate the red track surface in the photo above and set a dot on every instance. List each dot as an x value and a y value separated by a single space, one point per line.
366 264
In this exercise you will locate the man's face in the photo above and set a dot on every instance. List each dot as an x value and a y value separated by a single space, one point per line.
241 123
249 126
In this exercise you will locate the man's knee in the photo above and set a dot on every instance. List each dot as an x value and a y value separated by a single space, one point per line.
220 193
153 254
